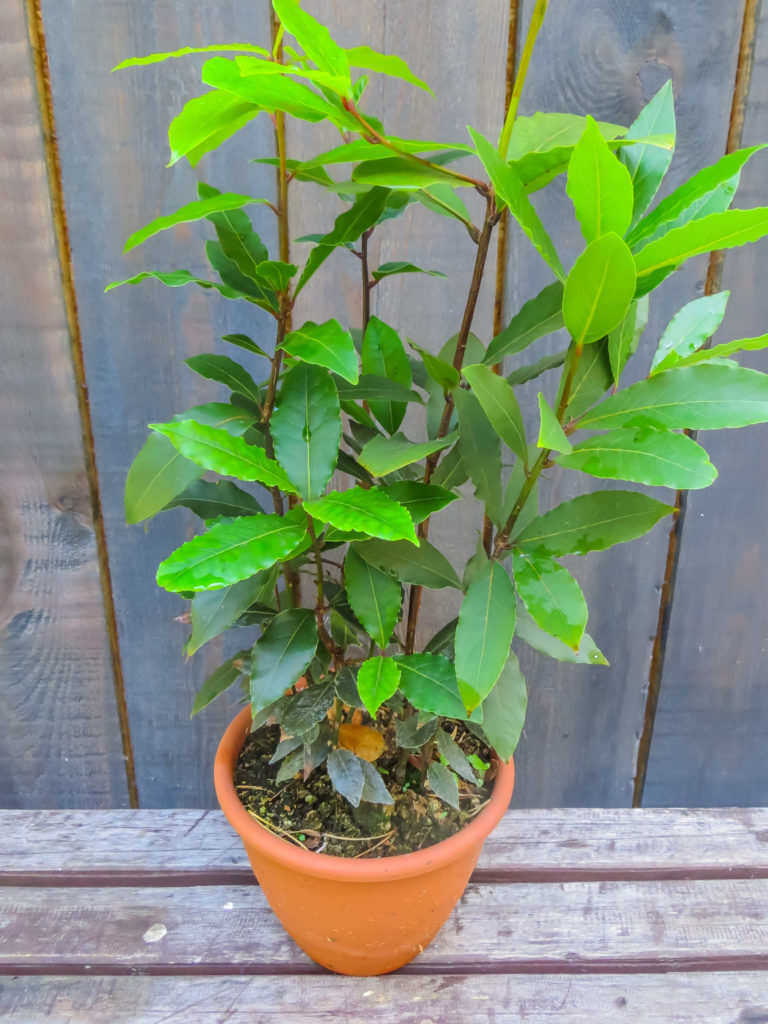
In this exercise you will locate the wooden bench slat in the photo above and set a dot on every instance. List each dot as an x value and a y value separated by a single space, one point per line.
197 847
572 927
736 998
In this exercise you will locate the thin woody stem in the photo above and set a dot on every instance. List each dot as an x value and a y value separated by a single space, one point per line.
366 278
533 30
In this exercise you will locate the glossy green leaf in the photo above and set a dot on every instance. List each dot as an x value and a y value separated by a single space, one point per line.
593 377
346 774
451 471
213 611
443 199
221 679
210 500
306 708
232 550
326 344
654 457
648 164
377 680
401 173
196 210
219 451
306 428
544 131
500 405
534 370
484 633
429 683
367 511
425 566
504 710
552 596
374 788
226 371
346 688
703 397
551 434
592 522
685 202
689 329
599 289
480 451
235 419
530 509
205 122
313 37
384 64
538 317
253 288
532 634
234 230
443 784
374 597
374 389
156 58
327 81
156 476
413 732
401 267
281 655
623 340
444 374
511 193
176 279
725 350
457 760
383 455
599 186
244 342
383 355
421 500
362 149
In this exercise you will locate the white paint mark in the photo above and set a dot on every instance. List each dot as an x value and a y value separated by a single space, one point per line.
155 933
228 906
368 993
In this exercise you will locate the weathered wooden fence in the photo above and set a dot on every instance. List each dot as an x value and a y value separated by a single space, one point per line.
94 690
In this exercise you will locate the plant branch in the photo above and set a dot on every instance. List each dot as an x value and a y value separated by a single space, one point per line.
533 30
366 278
317 550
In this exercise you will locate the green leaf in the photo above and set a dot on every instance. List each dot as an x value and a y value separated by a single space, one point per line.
227 372
451 471
648 164
689 329
306 428
373 389
377 680
728 348
685 202
374 788
243 341
599 289
281 655
235 233
346 688
213 611
425 566
224 415
176 279
551 433
251 287
205 122
484 633
429 683
327 81
221 679
155 58
398 172
190 212
367 511
326 344
480 451
313 37
449 749
210 500
401 267
382 455
704 397
500 405
383 355
538 317
385 64
444 200
346 774
443 784
542 132
534 370
362 149
592 522
717 231
412 733
157 475
444 374
306 708
504 710
219 451
599 186
623 340
421 500
375 598
527 630
552 596
653 457
510 191
232 550
593 377
530 509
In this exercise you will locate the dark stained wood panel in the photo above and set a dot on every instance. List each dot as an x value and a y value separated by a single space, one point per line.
59 737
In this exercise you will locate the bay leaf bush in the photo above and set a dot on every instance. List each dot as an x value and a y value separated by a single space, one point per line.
330 577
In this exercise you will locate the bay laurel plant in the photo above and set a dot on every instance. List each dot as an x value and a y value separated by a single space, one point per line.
332 575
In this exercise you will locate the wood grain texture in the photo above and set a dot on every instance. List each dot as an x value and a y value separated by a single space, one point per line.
733 998
709 735
59 736
199 847
580 741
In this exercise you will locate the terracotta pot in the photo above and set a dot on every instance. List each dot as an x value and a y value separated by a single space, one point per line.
358 917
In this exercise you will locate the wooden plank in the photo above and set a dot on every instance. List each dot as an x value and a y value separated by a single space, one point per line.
59 737
709 736
193 847
579 745
575 927
398 999
111 132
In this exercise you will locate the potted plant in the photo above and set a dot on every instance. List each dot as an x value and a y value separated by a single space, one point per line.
392 758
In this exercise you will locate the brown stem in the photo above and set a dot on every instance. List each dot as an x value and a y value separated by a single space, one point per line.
366 278
325 637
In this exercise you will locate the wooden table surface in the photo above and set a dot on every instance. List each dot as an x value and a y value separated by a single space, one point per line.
110 917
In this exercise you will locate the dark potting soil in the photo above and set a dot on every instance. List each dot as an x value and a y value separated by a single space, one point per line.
311 814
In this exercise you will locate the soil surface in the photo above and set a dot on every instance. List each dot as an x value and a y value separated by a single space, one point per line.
309 813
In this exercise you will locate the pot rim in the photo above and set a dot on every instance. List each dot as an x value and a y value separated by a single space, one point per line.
345 869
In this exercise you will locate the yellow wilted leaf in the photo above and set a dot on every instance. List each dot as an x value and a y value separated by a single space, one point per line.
362 740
